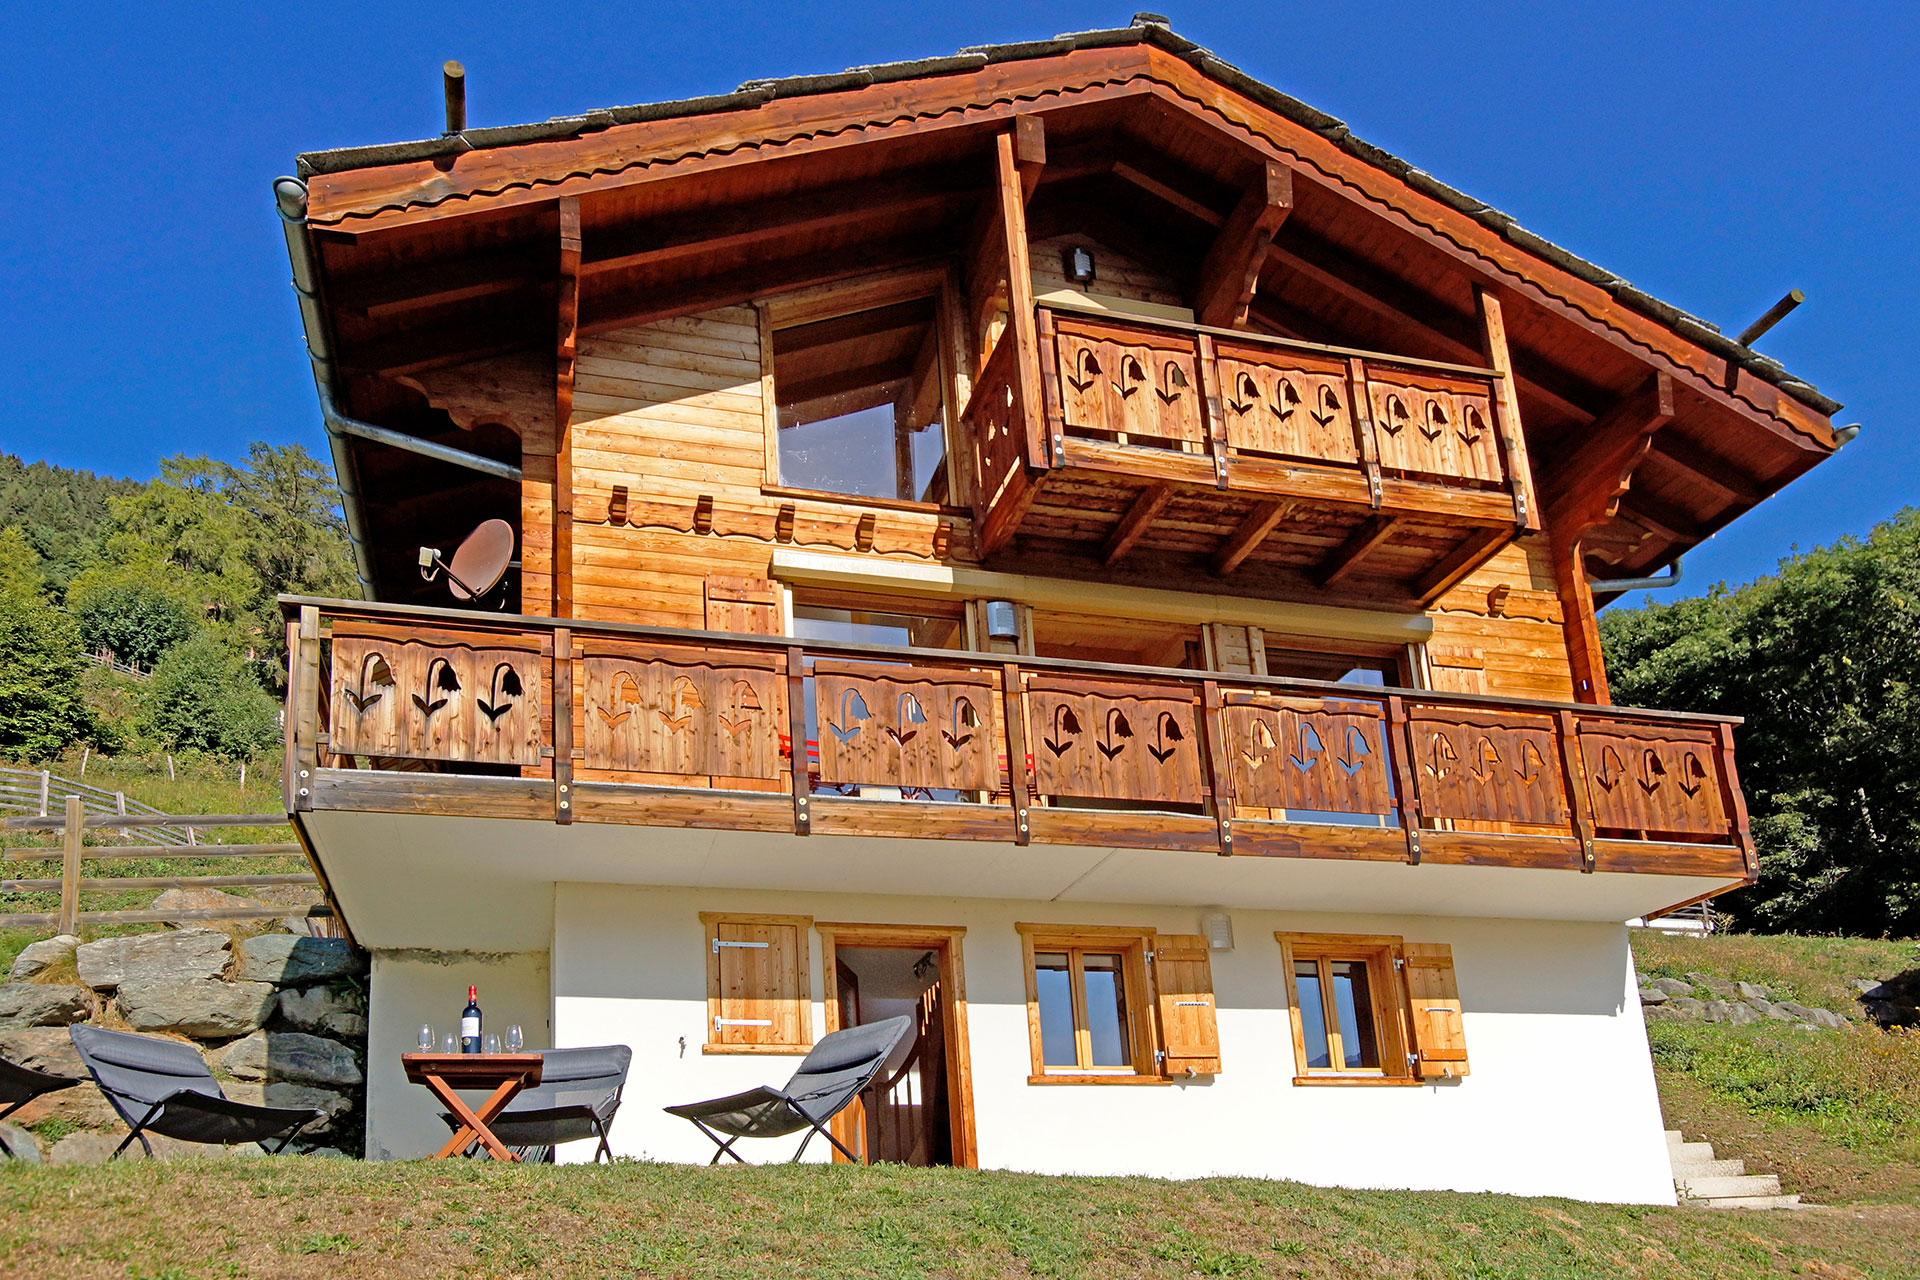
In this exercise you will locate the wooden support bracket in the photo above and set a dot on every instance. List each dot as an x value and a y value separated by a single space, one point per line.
1573 769
1222 778
1245 540
1405 779
1231 270
1138 519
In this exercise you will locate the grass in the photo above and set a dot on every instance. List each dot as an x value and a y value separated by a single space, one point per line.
339 1220
1810 970
198 786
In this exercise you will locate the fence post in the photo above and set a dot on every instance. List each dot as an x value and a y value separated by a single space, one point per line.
70 868
46 776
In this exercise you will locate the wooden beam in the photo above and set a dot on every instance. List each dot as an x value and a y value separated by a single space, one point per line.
1022 323
1029 153
1585 660
1372 533
1458 563
566 352
1231 270
1138 519
1585 483
1247 538
1727 476
1506 410
1168 194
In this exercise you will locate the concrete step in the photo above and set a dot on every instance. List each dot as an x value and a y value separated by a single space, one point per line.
1749 1202
1673 1136
1746 1186
1709 1168
1682 1152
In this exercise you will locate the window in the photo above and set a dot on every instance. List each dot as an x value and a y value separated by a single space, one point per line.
1129 641
861 400
1091 1005
1376 667
758 989
1369 1009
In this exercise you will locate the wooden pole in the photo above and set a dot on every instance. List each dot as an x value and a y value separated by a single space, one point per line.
170 777
84 753
453 80
46 776
70 868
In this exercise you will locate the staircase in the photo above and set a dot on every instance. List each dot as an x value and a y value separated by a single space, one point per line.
1705 1182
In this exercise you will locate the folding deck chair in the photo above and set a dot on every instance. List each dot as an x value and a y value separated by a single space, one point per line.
163 1086
578 1094
829 1078
20 1085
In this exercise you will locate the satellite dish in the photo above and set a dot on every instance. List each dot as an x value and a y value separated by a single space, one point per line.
478 563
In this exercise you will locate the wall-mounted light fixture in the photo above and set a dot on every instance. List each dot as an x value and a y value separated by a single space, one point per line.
1079 264
1003 622
1217 925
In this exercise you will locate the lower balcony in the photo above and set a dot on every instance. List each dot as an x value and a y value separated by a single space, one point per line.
425 755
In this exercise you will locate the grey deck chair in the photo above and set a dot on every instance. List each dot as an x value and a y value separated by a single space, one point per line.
578 1093
830 1077
162 1086
20 1085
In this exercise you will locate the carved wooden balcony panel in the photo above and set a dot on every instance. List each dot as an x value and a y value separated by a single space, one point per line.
671 710
899 727
1435 426
680 728
1131 387
1314 754
1287 406
422 700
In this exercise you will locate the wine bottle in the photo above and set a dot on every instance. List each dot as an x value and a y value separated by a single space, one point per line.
470 1022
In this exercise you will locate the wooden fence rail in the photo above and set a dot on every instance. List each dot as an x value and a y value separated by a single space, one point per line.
73 851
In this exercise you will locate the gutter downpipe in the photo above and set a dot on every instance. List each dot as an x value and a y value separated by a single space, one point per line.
1615 586
290 200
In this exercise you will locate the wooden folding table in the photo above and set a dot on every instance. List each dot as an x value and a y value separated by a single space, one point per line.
504 1073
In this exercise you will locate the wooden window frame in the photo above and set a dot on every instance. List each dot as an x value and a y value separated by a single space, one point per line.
1133 945
802 999
864 293
1386 993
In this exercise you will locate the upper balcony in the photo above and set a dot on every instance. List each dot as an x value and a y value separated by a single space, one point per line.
1301 466
943 772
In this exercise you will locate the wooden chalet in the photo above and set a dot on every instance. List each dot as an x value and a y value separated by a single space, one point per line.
1066 501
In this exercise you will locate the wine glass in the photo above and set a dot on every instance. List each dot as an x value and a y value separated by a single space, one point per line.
425 1038
514 1039
449 1043
493 1042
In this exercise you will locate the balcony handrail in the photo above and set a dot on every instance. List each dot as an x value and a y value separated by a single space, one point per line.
1269 340
509 622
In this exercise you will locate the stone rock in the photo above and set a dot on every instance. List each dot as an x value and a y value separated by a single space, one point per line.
185 956
1661 1013
38 957
310 1008
1795 1011
1778 1012
1827 1018
321 1153
23 1146
1673 986
286 960
199 900
1760 1006
1748 991
1714 1011
43 1049
1869 988
95 1148
206 1009
43 1004
1653 995
1687 1006
1718 987
290 1055
1742 1015
285 1093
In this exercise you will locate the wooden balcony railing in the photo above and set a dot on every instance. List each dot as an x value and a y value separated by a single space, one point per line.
682 728
1428 453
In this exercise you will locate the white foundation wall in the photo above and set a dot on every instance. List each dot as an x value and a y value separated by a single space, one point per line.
410 988
1560 1101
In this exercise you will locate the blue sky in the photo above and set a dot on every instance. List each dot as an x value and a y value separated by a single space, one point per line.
1714 155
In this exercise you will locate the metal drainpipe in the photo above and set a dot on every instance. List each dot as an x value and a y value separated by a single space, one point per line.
290 199
1613 586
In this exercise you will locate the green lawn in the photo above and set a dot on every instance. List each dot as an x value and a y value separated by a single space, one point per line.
336 1219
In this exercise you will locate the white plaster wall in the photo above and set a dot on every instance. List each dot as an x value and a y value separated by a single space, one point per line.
1561 1099
412 987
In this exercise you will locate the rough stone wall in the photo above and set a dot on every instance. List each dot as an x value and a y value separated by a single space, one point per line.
280 1018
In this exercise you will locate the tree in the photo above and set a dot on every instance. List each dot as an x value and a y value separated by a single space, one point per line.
130 613
201 697
40 661
1821 662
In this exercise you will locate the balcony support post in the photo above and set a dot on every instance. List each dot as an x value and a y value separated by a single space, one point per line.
1016 721
1213 421
1056 413
1405 780
562 725
1573 768
566 354
1231 270
304 694
798 763
1735 801
1213 730
1011 192
1506 412
1363 429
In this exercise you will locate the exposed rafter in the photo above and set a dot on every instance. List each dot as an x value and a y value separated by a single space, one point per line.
1245 540
1232 266
1137 521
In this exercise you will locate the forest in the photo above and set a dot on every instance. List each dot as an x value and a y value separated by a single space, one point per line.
140 617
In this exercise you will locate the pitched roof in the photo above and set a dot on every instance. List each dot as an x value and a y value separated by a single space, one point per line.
1147 29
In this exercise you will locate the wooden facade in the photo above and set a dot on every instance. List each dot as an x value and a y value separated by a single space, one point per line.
1150 328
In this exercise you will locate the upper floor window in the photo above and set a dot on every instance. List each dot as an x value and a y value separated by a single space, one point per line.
862 403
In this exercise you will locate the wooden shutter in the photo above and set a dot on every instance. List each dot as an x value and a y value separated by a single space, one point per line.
757 984
1183 979
1433 1002
749 606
